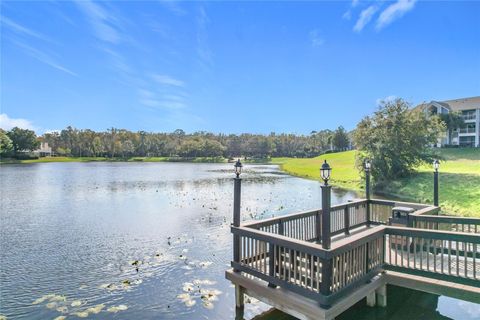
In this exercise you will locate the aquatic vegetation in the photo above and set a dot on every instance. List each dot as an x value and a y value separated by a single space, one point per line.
96 309
62 309
205 264
118 308
188 287
76 303
58 298
190 303
51 305
44 298
206 282
81 314
2 317
57 318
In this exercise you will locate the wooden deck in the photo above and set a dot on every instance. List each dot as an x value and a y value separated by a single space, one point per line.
281 260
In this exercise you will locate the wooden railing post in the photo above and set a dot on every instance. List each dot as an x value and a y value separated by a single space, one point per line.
367 194
271 263
236 218
346 214
318 226
326 277
326 194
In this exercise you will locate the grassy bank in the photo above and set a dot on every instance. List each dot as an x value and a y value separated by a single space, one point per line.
459 178
131 159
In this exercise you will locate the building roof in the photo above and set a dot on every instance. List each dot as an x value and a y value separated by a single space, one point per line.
463 104
455 104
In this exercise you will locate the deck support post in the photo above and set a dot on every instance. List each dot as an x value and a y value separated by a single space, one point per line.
326 202
239 296
236 217
367 195
382 296
371 299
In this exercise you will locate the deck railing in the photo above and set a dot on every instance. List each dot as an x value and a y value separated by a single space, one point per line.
326 274
285 251
437 254
343 219
306 268
447 223
306 225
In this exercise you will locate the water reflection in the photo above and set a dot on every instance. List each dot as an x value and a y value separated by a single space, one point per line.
109 240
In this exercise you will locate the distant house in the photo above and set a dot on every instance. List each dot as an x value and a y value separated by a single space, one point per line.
469 136
44 150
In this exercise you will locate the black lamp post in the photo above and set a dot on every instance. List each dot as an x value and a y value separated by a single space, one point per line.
325 172
436 165
367 166
237 182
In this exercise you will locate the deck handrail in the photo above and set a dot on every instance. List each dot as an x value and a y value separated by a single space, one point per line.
291 216
326 274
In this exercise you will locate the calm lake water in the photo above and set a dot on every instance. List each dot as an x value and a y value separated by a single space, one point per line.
126 240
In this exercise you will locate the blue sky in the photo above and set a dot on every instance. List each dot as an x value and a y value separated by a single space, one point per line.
230 66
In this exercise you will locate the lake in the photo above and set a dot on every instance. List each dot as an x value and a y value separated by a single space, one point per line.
149 241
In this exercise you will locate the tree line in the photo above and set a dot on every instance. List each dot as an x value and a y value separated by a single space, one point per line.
121 143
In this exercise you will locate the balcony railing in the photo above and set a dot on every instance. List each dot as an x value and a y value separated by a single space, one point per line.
468 130
467 117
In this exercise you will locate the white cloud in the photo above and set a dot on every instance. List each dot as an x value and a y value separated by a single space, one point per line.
167 80
104 24
164 101
393 12
391 98
316 39
19 29
365 16
44 57
203 49
8 123
355 3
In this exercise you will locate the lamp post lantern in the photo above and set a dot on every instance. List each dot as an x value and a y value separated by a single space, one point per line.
325 172
436 165
237 185
367 166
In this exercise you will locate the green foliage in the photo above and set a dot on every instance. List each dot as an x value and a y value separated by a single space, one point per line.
23 140
6 145
340 139
452 120
397 140
115 143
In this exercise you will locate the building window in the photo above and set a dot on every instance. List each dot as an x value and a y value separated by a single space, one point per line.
468 115
469 128
467 141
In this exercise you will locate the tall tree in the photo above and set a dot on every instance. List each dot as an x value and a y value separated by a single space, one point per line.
23 140
6 145
396 139
452 120
340 139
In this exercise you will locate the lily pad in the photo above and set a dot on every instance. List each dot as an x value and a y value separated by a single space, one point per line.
81 314
62 309
118 308
76 303
51 305
96 309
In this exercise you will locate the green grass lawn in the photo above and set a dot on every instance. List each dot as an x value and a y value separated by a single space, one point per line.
459 178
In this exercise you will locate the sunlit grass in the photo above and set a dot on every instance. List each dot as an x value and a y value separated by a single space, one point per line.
459 178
